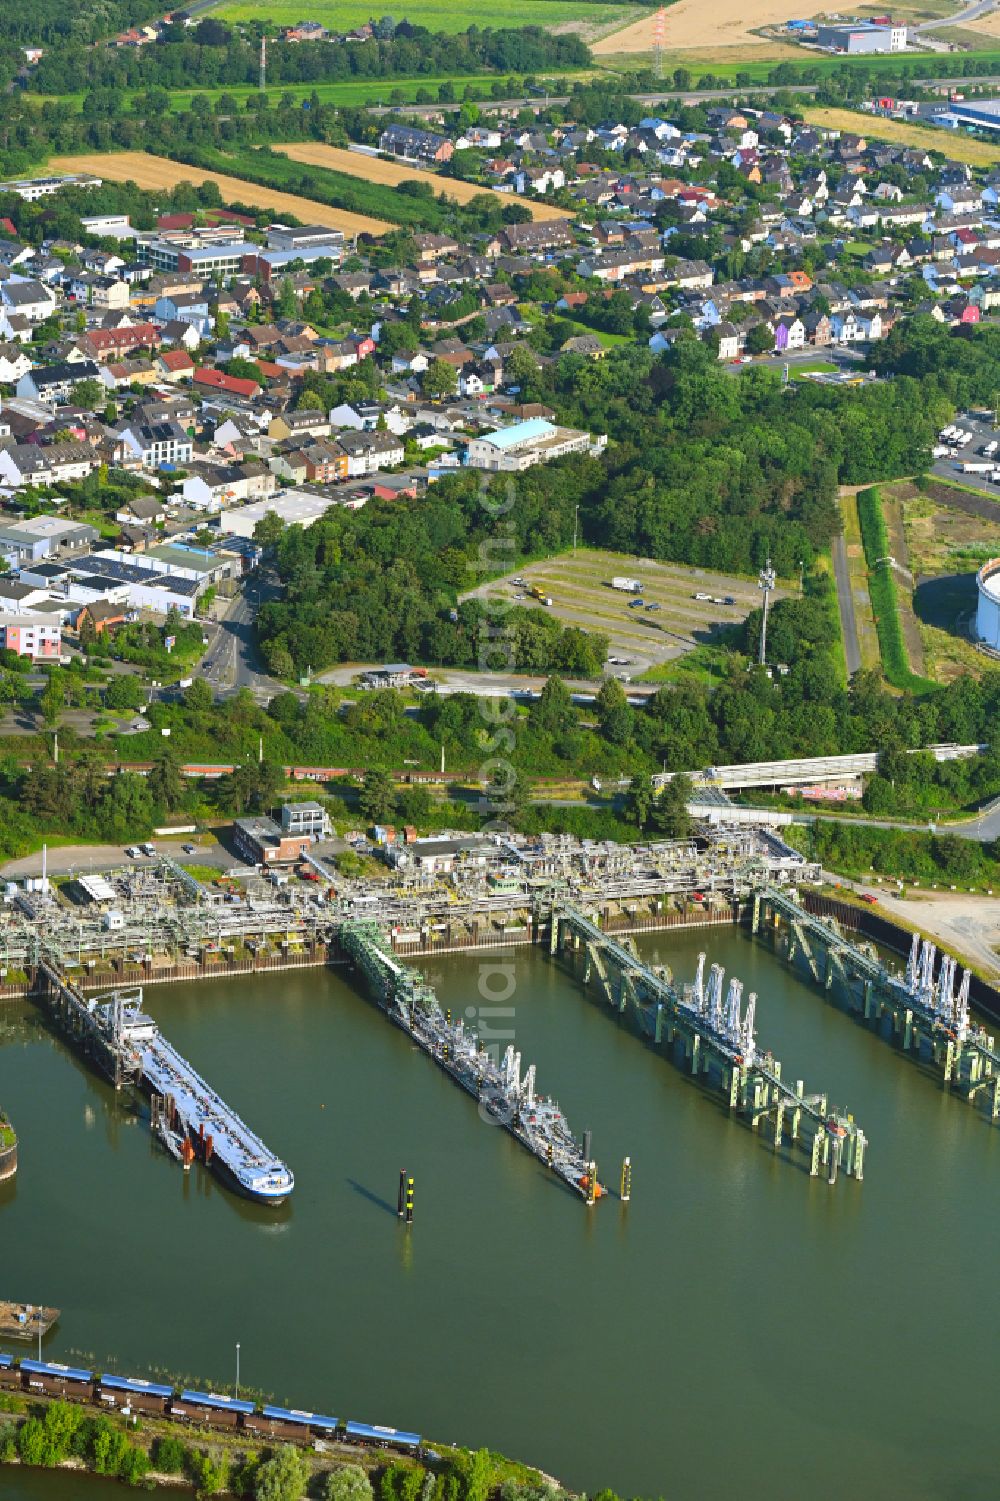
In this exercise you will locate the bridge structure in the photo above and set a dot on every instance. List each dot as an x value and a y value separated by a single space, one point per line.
926 1013
706 1029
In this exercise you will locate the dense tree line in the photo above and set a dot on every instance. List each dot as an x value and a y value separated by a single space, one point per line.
234 60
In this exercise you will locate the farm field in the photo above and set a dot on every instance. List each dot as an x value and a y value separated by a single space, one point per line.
958 148
152 172
687 24
581 596
439 15
391 174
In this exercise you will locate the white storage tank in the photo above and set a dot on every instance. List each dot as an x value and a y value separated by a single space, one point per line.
988 611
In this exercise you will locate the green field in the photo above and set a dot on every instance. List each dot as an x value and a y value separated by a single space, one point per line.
348 92
436 15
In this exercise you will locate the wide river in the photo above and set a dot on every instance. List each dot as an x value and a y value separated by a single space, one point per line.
737 1329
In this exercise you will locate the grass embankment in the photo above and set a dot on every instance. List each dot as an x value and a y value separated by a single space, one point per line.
958 148
8 1136
882 589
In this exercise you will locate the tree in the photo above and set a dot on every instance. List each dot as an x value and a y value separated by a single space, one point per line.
87 393
614 716
282 1477
285 303
760 339
349 1483
377 798
199 696
669 812
125 692
439 380
640 799
166 786
269 529
53 699
553 710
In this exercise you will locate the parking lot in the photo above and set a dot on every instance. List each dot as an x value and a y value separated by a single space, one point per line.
968 453
680 607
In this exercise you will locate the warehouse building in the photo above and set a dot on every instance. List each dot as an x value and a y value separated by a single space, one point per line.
862 37
523 444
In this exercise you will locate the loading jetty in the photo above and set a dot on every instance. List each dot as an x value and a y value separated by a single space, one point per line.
503 1094
89 961
925 1013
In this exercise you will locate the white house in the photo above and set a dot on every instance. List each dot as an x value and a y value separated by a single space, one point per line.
14 363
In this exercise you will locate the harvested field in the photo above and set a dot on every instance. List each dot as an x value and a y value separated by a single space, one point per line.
581 593
391 174
926 137
726 24
152 172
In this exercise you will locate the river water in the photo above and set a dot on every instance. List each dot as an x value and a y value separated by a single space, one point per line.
738 1326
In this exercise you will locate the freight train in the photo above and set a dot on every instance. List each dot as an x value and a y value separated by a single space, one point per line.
205 1409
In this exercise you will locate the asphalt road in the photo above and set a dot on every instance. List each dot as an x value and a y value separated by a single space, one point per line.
845 604
231 660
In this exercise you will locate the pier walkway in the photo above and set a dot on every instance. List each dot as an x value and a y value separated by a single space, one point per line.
715 1037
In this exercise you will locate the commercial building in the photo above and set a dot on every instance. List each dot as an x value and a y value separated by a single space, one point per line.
260 842
863 36
534 441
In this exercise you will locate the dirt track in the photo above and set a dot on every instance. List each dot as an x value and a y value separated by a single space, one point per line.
377 169
152 172
727 23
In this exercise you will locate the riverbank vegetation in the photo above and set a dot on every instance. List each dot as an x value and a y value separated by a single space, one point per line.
49 1434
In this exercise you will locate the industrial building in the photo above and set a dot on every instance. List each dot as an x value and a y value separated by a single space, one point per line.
982 114
988 609
260 842
862 37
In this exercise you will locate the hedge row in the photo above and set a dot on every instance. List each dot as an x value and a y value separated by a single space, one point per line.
882 590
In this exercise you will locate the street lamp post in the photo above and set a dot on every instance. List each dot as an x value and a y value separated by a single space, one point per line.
576 519
237 1370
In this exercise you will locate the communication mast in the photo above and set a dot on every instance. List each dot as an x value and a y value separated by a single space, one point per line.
766 581
263 63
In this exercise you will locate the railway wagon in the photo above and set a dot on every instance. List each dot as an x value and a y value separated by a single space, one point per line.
130 1392
57 1380
216 1409
382 1438
10 1374
290 1423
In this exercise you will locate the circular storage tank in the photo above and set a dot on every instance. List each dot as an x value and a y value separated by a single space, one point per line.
988 611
